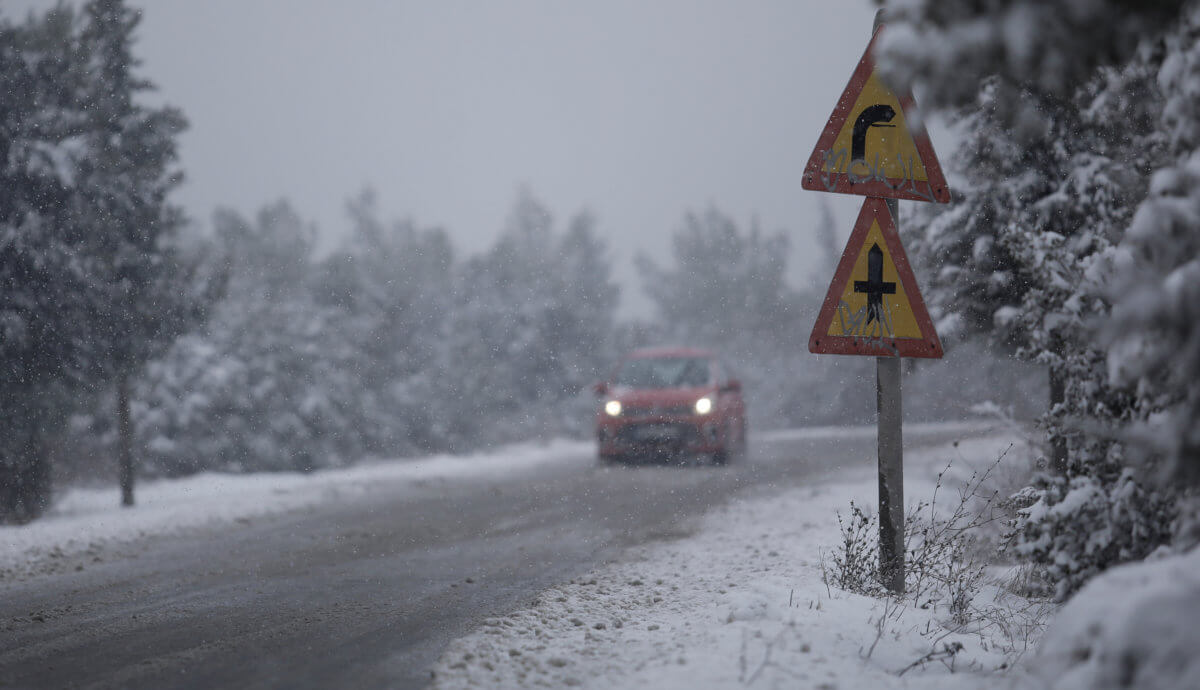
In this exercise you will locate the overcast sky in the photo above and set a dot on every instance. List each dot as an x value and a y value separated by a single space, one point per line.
638 110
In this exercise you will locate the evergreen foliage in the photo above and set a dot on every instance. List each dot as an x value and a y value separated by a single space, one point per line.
1069 249
92 284
1154 336
262 386
388 346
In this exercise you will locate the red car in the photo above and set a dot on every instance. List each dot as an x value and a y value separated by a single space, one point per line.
671 402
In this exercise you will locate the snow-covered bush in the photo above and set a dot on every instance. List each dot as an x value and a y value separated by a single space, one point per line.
944 562
854 564
1074 528
1154 336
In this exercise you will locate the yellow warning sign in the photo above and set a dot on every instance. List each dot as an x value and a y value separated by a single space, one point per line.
873 303
873 145
873 306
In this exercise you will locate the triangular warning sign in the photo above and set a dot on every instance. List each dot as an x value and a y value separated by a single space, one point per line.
873 306
874 143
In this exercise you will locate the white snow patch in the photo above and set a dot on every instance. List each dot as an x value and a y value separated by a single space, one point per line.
86 520
868 431
1131 627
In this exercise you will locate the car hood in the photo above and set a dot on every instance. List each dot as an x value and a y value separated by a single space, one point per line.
660 397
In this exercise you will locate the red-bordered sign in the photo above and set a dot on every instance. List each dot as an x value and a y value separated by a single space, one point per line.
874 143
874 306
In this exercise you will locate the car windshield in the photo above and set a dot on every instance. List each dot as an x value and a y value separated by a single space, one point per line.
663 372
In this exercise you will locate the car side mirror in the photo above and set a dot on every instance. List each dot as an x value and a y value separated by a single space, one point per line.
732 386
600 389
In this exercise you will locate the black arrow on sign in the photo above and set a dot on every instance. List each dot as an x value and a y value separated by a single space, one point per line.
873 286
871 116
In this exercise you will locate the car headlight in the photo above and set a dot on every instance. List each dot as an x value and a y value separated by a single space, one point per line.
613 408
704 405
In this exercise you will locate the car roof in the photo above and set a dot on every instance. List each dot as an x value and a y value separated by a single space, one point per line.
668 351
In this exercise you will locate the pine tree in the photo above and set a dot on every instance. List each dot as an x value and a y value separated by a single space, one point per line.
149 297
1154 336
1062 139
394 284
44 299
268 383
92 286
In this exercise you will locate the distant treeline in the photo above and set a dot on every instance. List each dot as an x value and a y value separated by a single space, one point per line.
392 345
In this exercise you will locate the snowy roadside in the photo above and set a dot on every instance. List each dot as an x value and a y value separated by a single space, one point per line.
88 522
741 602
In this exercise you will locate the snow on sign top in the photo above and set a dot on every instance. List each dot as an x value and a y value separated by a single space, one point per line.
874 306
874 144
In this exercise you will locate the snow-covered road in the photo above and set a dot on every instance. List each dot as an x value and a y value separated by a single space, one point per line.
363 576
89 521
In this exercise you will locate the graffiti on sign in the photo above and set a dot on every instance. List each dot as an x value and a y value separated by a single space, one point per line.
835 170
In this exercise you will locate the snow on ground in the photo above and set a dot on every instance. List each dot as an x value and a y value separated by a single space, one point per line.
743 603
1131 627
86 521
868 431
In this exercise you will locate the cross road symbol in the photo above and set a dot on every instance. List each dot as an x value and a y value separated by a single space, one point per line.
873 306
874 287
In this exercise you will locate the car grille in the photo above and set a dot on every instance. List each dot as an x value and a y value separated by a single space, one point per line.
658 434
657 411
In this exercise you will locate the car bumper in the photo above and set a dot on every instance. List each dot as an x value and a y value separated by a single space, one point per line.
659 435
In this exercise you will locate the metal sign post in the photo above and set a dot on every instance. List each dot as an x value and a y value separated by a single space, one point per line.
891 464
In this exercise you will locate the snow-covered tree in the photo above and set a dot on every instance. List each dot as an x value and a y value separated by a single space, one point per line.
386 346
1046 48
723 282
1069 110
1154 335
393 283
149 295
267 384
91 283
43 283
531 327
